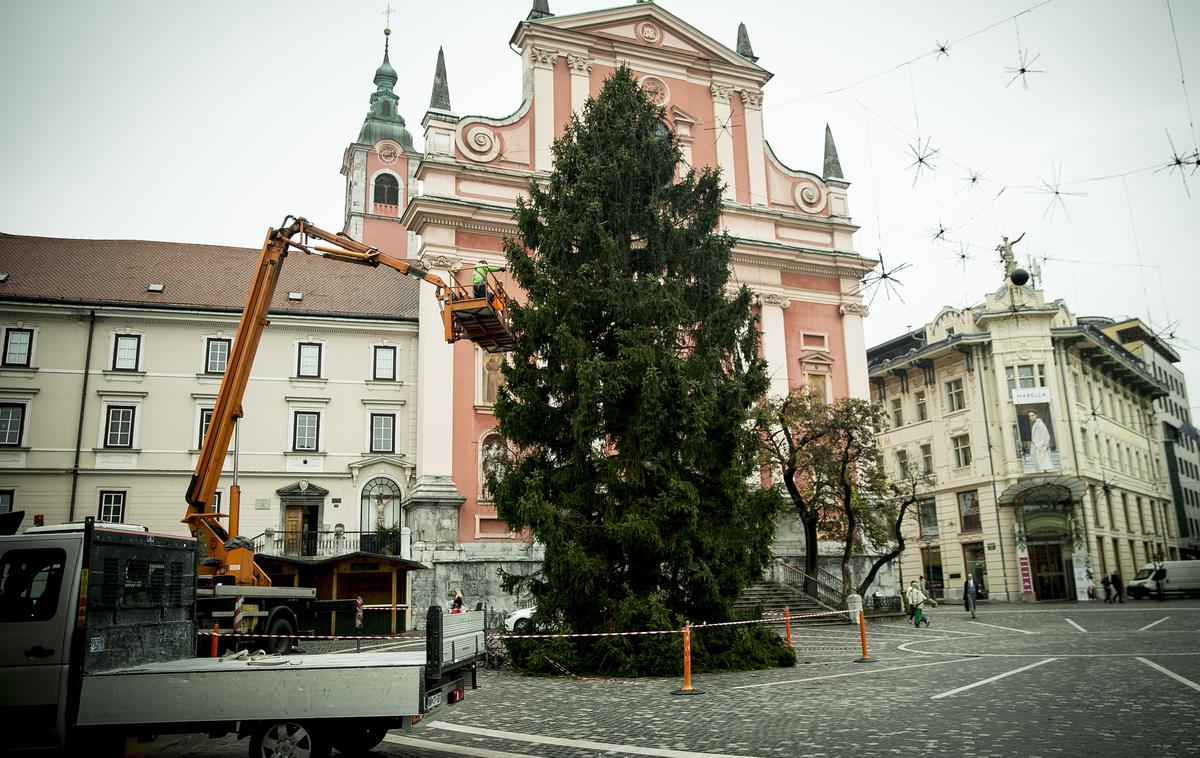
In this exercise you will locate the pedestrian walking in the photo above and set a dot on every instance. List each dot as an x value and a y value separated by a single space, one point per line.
1160 581
1118 588
970 595
1106 583
908 600
916 598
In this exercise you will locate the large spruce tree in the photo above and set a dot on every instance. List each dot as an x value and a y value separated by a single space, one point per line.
627 399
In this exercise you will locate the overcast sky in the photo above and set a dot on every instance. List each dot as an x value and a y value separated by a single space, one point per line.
208 122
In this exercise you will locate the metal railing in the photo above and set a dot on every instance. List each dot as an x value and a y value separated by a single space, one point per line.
825 588
329 544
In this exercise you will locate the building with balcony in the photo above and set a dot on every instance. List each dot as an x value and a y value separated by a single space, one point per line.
1037 436
1180 439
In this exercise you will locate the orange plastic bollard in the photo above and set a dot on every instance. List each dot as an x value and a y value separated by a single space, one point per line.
787 624
687 688
215 641
862 632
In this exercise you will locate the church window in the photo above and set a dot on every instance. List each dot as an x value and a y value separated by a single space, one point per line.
385 108
387 190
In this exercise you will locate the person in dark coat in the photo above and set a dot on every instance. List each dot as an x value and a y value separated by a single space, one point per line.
1106 583
970 595
1160 581
1118 588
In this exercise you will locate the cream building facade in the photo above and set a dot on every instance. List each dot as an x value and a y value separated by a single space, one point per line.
113 355
1037 436
1180 438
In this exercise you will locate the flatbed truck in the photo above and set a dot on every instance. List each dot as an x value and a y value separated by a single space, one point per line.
97 640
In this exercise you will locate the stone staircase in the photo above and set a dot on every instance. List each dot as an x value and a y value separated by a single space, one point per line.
774 596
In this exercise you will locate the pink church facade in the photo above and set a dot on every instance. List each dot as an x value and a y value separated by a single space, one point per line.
450 205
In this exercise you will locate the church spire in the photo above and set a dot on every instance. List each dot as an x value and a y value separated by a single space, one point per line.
743 45
541 9
833 167
440 99
383 120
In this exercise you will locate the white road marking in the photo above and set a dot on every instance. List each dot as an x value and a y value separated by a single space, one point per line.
1171 674
1072 623
966 657
585 744
1005 628
991 679
1154 623
473 752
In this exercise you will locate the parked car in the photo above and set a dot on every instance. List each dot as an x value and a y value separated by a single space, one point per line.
520 621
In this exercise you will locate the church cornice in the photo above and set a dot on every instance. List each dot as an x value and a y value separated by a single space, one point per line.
433 210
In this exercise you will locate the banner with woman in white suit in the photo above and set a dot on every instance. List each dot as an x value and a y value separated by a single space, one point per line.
1035 430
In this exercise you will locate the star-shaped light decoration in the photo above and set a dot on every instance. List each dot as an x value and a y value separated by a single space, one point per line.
923 158
972 180
1181 162
882 279
1057 194
1023 69
943 48
938 232
963 255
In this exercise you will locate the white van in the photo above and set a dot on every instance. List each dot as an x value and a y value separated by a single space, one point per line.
1183 578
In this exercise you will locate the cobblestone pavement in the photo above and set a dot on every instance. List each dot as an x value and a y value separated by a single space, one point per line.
1047 680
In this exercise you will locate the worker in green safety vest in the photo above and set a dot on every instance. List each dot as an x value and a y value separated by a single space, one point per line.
479 278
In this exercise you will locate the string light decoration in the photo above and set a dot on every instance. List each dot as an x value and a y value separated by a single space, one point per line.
1180 162
938 233
884 279
943 49
923 158
1057 194
971 181
1023 68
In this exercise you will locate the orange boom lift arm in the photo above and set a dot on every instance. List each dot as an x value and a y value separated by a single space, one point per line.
484 321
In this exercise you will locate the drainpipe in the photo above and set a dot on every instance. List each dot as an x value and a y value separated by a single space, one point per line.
987 432
1062 375
87 364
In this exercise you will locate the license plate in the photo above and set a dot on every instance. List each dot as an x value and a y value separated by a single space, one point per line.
433 701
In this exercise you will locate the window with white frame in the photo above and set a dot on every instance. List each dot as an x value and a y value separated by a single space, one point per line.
922 408
308 360
127 350
12 424
956 398
493 457
897 412
384 363
216 354
112 506
215 505
961 444
18 347
902 463
1025 375
383 432
926 459
118 426
306 431
206 415
6 500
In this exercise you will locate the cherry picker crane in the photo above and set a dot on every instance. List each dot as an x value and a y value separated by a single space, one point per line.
482 320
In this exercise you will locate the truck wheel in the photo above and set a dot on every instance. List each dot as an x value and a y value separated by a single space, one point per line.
281 643
289 739
355 739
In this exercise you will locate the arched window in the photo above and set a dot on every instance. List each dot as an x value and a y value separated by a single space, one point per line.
385 108
387 189
381 503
